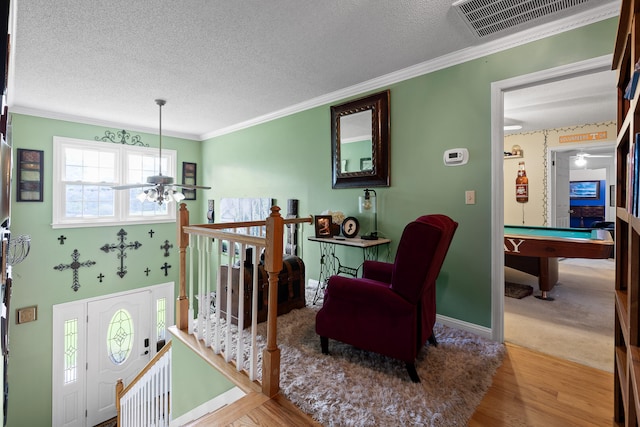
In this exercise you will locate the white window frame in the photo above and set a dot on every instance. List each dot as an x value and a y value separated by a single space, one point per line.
121 197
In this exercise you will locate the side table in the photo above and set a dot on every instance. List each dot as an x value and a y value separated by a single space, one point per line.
330 263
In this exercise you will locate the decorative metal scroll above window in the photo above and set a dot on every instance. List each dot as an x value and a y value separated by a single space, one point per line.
125 138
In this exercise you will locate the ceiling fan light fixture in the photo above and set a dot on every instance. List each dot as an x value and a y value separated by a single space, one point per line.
160 188
580 160
512 127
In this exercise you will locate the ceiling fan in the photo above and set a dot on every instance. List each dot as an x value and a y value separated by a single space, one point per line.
162 186
581 158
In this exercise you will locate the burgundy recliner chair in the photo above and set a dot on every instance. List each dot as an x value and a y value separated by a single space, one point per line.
391 310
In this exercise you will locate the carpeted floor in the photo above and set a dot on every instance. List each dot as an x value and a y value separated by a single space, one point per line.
351 387
578 324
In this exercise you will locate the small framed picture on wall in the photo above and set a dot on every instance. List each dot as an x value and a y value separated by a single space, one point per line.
189 178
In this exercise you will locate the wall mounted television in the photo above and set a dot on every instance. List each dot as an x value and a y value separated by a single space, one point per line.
584 190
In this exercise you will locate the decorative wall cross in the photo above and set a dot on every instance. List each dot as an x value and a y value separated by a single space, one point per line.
121 247
166 268
62 239
75 265
166 248
151 233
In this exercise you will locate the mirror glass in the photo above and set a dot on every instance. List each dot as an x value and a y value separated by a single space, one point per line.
355 142
360 142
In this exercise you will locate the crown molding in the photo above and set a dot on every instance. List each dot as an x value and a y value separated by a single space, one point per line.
16 109
546 30
540 32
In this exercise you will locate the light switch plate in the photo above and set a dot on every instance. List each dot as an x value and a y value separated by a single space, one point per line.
470 197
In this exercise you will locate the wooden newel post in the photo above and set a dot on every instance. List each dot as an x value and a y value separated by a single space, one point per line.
182 304
119 388
273 265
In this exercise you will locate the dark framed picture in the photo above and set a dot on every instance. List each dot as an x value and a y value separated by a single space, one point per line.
189 178
323 225
30 175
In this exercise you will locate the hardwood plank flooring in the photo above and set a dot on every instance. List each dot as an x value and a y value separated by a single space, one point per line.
529 389
534 389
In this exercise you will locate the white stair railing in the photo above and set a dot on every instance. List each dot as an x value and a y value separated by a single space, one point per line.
204 269
145 401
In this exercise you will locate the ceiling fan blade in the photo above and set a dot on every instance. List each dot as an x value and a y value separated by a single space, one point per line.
192 187
128 186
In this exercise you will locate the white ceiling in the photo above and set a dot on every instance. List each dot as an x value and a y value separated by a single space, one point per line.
222 65
579 100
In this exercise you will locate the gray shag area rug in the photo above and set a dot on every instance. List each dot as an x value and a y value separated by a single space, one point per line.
351 387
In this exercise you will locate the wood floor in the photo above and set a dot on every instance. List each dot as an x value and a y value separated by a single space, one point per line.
529 389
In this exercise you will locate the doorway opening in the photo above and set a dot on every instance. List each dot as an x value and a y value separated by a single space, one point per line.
547 215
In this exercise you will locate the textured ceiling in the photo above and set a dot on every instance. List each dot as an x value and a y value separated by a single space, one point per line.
222 64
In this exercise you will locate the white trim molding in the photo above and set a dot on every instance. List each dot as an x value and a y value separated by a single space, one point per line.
593 65
576 21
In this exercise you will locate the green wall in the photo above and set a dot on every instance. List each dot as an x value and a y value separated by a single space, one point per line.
35 282
290 158
197 385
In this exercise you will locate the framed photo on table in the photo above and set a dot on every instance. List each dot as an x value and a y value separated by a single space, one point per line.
323 225
189 178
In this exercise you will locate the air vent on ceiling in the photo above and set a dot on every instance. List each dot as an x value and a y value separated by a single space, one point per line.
487 17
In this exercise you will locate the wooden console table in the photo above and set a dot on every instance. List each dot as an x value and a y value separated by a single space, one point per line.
330 264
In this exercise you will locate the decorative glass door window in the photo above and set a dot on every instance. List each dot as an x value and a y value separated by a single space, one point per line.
120 337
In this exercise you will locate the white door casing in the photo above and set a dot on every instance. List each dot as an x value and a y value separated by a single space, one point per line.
498 88
560 170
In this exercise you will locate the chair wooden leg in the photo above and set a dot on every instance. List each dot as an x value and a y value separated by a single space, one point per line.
413 373
324 345
432 340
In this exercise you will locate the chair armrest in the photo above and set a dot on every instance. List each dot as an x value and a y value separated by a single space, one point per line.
376 270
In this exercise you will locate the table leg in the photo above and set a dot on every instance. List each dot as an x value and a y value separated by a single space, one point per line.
548 277
327 268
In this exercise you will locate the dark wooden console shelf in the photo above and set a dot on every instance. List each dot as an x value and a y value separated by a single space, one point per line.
627 240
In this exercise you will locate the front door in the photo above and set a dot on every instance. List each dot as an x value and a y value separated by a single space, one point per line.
120 335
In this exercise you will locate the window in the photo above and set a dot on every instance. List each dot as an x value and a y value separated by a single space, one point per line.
85 171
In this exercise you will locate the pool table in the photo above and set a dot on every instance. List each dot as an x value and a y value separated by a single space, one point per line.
535 250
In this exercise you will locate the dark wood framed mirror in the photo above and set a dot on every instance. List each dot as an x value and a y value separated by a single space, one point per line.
360 142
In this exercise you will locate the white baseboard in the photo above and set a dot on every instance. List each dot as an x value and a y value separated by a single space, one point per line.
214 404
465 326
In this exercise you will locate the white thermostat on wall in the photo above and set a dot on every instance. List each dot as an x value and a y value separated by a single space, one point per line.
456 157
